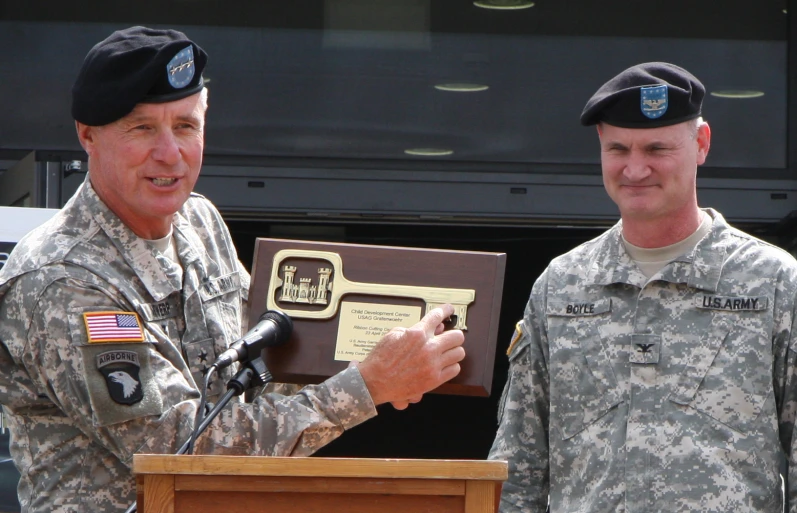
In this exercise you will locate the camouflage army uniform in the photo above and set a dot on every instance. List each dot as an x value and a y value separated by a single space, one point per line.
72 439
676 394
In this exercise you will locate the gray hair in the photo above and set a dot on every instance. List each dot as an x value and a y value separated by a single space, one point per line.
695 126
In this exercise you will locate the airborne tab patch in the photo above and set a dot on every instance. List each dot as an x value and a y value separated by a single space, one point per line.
735 304
113 327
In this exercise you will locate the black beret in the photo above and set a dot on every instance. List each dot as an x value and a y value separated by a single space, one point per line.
132 66
647 95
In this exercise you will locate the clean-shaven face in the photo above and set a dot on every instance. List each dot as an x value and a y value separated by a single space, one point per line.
651 173
145 165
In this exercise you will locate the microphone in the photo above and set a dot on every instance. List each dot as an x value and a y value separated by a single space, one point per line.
273 329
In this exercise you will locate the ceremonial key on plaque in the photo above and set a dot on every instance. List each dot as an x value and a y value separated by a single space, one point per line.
332 286
343 298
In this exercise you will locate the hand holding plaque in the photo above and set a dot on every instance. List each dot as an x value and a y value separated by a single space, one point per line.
408 362
344 298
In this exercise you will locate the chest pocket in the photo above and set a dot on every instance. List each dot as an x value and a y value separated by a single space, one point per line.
583 383
221 303
221 307
728 376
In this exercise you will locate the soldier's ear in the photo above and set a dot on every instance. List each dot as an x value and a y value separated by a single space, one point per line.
86 135
703 142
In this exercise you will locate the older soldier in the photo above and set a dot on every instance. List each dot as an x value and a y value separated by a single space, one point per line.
110 311
653 370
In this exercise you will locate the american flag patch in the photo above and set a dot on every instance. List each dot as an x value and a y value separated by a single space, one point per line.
113 327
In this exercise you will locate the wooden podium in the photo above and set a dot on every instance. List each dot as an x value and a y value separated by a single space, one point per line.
199 484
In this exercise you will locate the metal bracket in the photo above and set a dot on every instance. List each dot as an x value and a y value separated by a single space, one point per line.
72 166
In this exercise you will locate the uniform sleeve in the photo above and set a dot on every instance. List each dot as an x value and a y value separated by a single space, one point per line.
246 282
784 344
522 437
296 425
72 373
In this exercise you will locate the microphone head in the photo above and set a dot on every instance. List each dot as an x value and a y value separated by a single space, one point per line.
284 325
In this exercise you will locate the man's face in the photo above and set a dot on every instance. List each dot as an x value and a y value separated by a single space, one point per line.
145 165
651 173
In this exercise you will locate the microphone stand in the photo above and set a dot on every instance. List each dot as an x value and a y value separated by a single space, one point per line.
252 374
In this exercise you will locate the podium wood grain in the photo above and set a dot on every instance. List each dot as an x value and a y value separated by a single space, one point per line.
198 484
309 356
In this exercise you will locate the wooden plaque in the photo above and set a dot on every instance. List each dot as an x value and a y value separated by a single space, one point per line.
328 290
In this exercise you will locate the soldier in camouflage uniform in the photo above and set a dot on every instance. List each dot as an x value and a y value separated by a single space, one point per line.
111 311
654 368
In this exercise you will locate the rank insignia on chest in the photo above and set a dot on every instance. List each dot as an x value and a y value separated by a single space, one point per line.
645 349
113 327
120 369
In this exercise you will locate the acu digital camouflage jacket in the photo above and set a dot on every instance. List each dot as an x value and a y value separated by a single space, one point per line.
674 394
81 406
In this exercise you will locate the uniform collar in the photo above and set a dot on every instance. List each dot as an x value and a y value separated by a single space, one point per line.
708 256
699 269
159 279
611 263
191 248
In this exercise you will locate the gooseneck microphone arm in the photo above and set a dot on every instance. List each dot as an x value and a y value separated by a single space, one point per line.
252 374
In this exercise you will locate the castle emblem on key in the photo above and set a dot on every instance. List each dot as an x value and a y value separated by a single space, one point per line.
305 292
287 286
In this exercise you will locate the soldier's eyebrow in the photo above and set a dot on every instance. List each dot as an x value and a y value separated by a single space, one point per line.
190 118
139 119
136 119
615 145
659 144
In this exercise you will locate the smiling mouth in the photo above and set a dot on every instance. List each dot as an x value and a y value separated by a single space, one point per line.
163 181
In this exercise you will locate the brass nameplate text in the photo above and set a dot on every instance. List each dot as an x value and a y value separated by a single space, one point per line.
362 325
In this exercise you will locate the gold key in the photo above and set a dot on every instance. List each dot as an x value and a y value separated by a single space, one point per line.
332 286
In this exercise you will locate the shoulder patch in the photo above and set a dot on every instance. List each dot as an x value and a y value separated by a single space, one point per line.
113 327
515 338
121 382
121 371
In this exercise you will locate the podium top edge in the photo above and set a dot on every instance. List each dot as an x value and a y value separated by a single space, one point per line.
320 467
